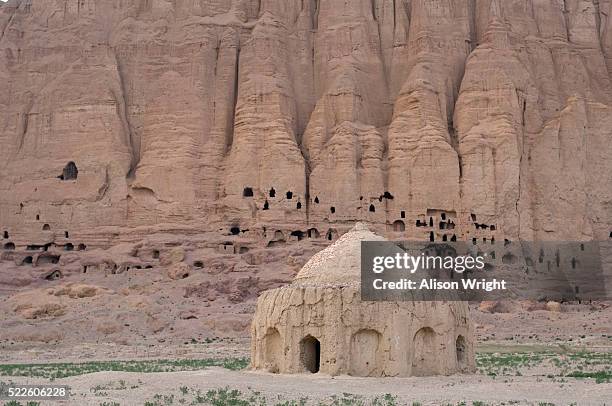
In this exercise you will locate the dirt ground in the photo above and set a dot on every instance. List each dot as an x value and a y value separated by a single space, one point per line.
105 388
501 380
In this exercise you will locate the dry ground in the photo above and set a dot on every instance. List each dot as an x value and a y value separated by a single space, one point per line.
508 375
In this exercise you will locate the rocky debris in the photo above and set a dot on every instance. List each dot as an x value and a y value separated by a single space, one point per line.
38 304
179 271
77 291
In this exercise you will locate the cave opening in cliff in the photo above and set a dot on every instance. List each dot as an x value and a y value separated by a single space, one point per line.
431 222
69 247
155 254
82 247
70 172
6 234
403 214
247 192
473 216
492 228
27 260
66 234
198 264
444 238
313 233
316 200
418 223
299 234
388 195
289 195
443 216
46 259
298 205
272 192
9 246
372 208
330 235
399 226
46 227
442 225
332 209
235 230
454 238
37 217
431 236
266 205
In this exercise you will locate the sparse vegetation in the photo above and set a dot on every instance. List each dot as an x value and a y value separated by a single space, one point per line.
63 370
581 364
235 397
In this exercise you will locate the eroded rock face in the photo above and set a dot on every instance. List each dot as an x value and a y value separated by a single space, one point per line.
305 112
239 130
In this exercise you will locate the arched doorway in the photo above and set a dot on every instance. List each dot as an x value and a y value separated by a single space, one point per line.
424 358
310 354
460 350
399 226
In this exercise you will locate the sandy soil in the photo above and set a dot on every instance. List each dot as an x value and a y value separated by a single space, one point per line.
428 391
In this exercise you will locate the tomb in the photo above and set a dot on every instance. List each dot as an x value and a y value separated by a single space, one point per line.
9 246
247 192
289 195
272 193
358 338
372 208
46 227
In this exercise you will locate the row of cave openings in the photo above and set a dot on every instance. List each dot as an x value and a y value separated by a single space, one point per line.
330 235
248 192
114 268
10 246
424 358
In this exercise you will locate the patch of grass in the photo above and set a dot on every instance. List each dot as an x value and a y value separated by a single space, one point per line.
234 397
63 370
599 376
15 403
555 364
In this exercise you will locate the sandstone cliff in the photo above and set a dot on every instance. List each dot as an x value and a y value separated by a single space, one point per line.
242 124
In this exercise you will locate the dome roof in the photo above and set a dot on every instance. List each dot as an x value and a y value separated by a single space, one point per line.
340 263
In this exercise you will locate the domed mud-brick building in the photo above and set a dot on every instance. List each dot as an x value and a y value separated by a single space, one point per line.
318 323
